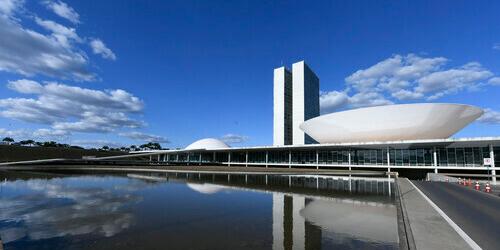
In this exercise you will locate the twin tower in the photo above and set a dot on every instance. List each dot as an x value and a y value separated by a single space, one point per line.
296 99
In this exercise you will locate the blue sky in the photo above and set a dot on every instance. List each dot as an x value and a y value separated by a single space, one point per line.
126 72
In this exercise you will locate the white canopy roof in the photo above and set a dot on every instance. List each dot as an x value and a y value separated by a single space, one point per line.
420 121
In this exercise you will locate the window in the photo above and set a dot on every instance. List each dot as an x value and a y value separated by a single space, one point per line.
460 154
420 157
428 157
399 157
413 157
452 160
442 157
406 157
469 157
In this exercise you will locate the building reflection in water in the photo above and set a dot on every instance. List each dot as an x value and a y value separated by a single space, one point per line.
315 212
300 222
290 229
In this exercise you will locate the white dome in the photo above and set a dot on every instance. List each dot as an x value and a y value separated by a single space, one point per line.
392 123
208 143
205 188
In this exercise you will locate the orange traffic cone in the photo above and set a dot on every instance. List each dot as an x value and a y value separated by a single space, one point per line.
487 189
477 187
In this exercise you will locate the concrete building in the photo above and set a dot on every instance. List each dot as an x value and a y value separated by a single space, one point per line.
296 99
305 100
417 121
407 138
282 107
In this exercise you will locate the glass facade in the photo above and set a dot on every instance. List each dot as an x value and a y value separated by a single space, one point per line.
418 156
340 157
469 157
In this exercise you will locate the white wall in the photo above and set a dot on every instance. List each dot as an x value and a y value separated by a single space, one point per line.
279 107
305 100
298 102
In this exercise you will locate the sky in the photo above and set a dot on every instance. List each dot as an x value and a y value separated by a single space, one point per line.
117 73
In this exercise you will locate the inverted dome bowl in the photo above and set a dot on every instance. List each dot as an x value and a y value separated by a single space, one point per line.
392 123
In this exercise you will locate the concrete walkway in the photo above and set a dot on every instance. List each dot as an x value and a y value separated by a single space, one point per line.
430 230
194 169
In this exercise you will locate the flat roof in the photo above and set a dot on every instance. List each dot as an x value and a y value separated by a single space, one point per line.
467 141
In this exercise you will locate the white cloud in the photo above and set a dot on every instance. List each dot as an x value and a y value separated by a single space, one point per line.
232 138
490 117
98 47
114 99
25 86
368 99
18 134
61 33
44 133
39 134
403 78
332 101
393 73
31 52
98 122
451 81
496 46
97 143
8 7
63 10
69 108
494 81
144 137
404 94
28 52
414 77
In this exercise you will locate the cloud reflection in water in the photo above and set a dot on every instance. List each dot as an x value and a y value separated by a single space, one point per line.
43 209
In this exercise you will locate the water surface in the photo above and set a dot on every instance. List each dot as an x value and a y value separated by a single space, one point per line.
194 211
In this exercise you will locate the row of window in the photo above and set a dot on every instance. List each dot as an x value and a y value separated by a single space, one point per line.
470 156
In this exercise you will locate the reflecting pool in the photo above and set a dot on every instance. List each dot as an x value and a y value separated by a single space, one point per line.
195 211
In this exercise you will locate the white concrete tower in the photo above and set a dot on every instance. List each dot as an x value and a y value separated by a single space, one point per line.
305 100
282 107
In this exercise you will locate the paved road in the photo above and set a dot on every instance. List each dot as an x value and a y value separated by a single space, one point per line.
477 213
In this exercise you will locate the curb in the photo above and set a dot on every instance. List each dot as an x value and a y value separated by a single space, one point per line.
406 240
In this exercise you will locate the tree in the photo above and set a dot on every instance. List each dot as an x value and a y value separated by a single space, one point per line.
8 139
151 146
105 148
50 144
27 142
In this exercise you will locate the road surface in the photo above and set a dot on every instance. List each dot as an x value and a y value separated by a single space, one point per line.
476 213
